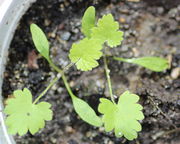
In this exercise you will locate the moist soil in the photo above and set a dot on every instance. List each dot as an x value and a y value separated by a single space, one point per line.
151 29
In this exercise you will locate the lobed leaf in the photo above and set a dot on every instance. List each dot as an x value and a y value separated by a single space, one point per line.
23 115
40 41
107 30
122 117
88 21
85 112
156 64
86 53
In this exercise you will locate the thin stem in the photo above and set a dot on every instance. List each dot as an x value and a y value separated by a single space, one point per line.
108 78
44 92
55 67
55 80
61 72
67 67
67 86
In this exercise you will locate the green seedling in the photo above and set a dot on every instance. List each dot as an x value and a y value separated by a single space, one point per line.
25 115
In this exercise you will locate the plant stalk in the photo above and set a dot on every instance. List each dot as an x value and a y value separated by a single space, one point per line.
61 72
107 71
48 87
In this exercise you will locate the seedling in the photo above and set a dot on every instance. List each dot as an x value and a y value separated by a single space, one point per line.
25 115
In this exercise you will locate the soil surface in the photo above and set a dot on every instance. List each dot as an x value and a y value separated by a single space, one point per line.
151 29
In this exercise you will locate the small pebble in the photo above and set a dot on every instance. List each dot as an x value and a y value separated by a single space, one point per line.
175 73
60 89
35 77
51 34
122 20
61 6
135 51
69 129
47 22
53 140
138 43
126 26
75 30
124 48
88 134
101 129
65 36
160 10
110 142
71 83
173 12
71 141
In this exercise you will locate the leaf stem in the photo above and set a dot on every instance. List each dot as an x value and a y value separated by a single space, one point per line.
67 86
61 72
108 78
48 87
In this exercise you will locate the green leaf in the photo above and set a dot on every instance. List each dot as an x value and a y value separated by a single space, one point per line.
40 41
122 117
107 30
88 21
23 115
85 112
156 64
85 54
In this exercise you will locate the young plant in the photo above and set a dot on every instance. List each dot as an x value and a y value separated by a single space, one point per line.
122 117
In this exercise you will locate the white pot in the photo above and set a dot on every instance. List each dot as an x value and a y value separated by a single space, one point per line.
10 13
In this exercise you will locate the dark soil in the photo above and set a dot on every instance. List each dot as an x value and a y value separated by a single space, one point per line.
151 28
